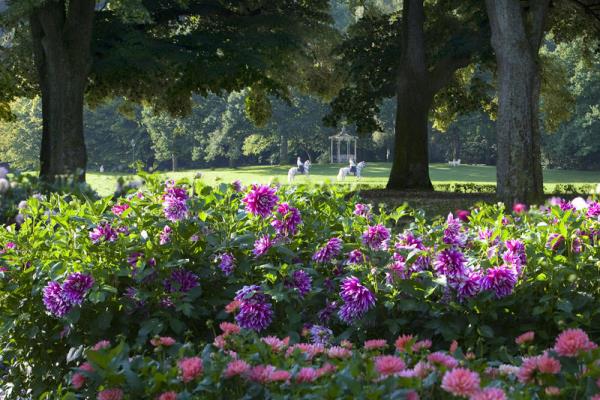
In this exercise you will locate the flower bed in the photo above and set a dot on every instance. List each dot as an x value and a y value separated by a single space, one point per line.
170 259
243 365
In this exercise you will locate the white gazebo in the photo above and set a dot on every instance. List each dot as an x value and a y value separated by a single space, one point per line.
341 153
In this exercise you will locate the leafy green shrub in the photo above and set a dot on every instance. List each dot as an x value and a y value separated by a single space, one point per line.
16 188
169 259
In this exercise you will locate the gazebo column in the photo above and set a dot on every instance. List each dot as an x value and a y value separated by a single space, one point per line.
348 149
331 150
355 150
338 151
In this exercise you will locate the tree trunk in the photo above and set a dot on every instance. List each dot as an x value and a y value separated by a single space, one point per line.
516 40
173 161
283 150
61 40
410 168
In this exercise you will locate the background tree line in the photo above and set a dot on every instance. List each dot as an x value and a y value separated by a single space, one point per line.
236 69
218 131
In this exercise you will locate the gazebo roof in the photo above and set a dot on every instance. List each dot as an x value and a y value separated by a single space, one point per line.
343 135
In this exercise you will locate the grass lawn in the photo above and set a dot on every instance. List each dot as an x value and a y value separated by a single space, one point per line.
375 174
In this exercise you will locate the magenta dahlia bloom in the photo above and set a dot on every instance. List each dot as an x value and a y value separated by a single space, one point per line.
362 210
103 232
227 263
593 210
260 200
468 285
119 209
515 253
376 237
255 311
566 205
55 301
357 300
262 245
486 236
181 280
463 215
174 202
450 262
301 281
75 287
501 280
165 235
555 241
355 257
328 252
289 222
408 241
453 233
398 269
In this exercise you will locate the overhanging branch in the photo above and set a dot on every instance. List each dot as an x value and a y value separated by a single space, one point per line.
444 70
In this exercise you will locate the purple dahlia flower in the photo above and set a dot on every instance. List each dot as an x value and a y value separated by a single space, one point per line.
255 311
174 202
408 241
355 257
181 280
262 245
450 262
328 252
320 335
76 286
227 263
453 233
260 200
501 280
103 232
362 210
55 301
593 210
357 300
165 235
301 281
289 222
468 285
376 237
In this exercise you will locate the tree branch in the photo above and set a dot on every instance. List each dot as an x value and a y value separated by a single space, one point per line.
444 70
539 12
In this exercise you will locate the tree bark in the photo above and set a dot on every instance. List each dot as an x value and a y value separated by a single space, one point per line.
283 150
61 40
416 86
516 40
410 168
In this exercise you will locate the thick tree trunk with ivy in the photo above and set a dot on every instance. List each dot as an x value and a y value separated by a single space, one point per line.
516 37
61 34
416 87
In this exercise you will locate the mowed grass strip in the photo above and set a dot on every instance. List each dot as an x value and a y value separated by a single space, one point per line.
374 174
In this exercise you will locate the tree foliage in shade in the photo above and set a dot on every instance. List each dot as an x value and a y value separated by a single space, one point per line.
162 52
